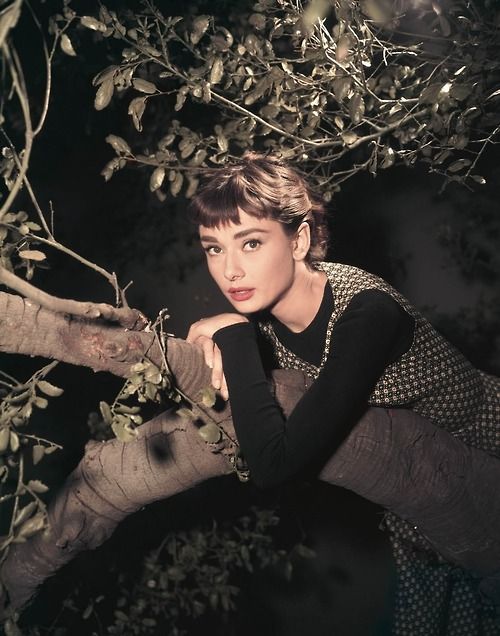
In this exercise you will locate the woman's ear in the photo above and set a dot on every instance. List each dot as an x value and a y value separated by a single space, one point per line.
302 241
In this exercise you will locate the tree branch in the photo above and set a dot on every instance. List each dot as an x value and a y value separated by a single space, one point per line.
18 82
124 316
391 457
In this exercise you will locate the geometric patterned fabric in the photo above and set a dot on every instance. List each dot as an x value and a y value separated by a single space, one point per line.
433 597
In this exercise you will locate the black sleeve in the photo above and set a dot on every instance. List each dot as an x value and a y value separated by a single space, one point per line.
371 333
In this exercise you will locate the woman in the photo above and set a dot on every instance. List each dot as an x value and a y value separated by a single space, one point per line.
264 235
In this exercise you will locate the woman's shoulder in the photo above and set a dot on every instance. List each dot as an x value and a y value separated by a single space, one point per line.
350 273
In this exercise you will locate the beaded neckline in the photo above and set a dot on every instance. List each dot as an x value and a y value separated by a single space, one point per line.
285 356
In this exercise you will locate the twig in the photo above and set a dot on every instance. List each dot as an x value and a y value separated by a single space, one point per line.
18 83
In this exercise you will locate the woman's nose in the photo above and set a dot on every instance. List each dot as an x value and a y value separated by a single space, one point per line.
232 269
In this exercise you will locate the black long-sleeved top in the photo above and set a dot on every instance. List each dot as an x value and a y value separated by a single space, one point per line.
371 333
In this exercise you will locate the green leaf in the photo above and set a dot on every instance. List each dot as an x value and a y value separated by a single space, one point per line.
32 255
494 94
222 142
186 413
14 442
107 416
125 408
198 158
37 486
210 433
156 179
460 91
217 71
356 108
182 93
25 513
379 12
176 184
118 144
91 23
136 109
123 432
151 392
33 525
144 86
388 157
349 137
49 389
104 94
153 374
200 26
186 146
4 438
40 402
430 94
341 88
192 187
458 165
67 46
106 74
87 612
478 178
207 396
344 46
38 453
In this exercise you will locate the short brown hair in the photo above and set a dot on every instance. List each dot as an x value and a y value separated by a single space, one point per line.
263 187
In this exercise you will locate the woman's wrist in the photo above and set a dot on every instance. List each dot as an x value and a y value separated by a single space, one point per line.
231 332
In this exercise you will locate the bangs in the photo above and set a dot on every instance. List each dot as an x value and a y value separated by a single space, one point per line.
219 203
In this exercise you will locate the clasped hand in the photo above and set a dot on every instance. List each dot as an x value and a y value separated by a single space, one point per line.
201 334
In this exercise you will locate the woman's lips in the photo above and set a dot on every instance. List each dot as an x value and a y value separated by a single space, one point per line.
241 293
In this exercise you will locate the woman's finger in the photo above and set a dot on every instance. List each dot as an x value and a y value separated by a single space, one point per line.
207 345
223 389
217 372
193 333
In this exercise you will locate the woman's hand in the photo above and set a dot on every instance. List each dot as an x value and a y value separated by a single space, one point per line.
201 333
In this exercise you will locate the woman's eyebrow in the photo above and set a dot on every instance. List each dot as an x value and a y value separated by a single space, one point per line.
252 230
238 235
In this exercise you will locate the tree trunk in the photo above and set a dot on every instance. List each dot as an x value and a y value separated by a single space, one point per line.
392 457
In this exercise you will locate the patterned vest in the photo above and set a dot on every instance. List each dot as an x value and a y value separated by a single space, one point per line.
432 378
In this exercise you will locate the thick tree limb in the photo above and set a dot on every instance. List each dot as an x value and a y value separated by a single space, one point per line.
28 329
394 458
112 481
124 316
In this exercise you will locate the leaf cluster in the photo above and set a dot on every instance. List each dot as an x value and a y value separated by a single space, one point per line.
19 448
197 574
333 86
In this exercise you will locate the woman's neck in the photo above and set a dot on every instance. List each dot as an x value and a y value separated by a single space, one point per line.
298 307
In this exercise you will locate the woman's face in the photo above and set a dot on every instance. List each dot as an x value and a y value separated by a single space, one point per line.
252 263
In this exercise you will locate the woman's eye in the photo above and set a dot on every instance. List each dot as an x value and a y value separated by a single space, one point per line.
252 244
211 250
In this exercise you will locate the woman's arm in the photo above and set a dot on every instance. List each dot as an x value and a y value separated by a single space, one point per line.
372 332
201 333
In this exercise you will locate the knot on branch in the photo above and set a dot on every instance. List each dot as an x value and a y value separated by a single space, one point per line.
131 319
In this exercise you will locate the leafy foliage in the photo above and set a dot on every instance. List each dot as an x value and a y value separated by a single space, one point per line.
17 448
194 575
333 86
